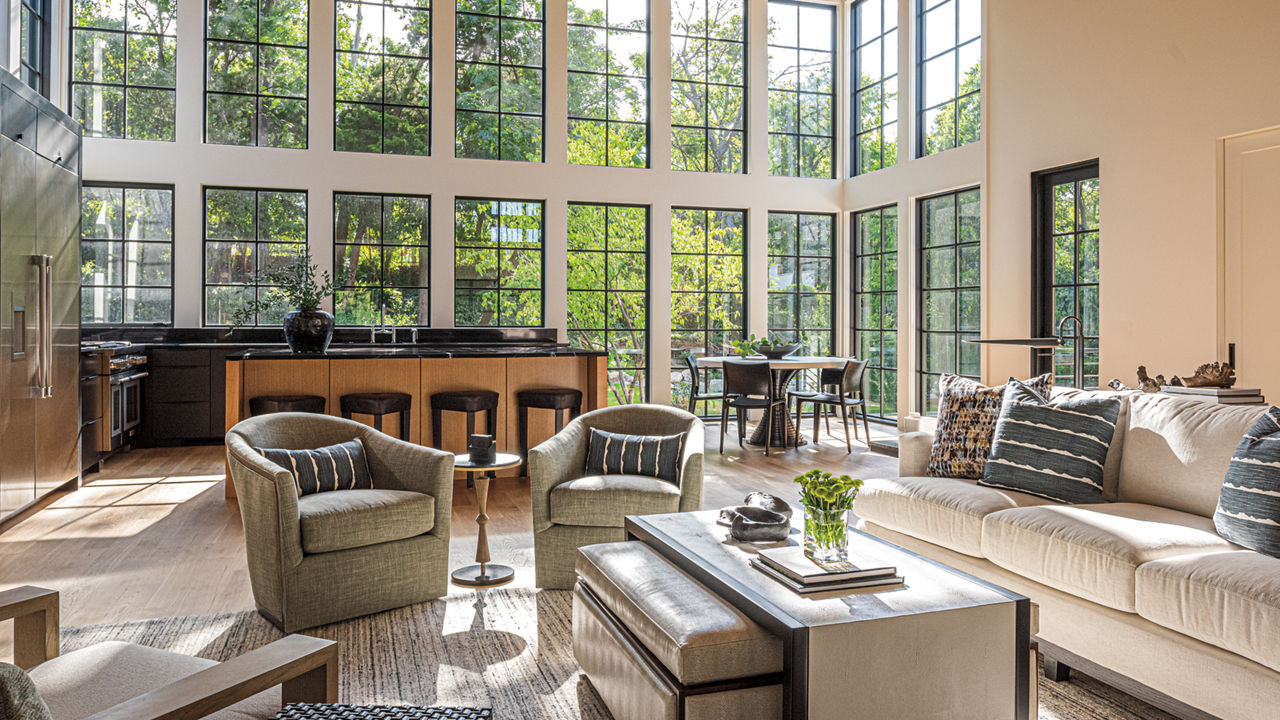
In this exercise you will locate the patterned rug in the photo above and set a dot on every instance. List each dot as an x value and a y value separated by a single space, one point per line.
507 648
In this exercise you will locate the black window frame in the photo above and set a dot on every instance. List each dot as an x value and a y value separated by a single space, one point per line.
876 366
799 136
499 288
608 76
424 256
922 149
856 88
796 293
923 374
38 10
125 186
745 87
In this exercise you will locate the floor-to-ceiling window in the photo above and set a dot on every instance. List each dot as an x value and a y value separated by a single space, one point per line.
124 68
874 83
802 280
950 289
382 76
708 85
249 233
802 69
498 262
500 80
126 254
609 83
608 292
1065 281
708 290
382 259
949 74
33 44
874 310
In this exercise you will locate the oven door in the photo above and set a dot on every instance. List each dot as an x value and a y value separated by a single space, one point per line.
131 399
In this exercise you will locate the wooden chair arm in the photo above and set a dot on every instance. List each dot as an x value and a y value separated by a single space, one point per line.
306 668
34 611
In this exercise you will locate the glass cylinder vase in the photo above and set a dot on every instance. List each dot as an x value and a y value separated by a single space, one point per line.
826 534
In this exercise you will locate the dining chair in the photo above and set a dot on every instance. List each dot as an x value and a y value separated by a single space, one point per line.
840 387
749 386
698 391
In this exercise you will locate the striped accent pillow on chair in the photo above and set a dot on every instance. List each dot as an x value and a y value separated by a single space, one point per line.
1052 450
1248 511
333 467
651 455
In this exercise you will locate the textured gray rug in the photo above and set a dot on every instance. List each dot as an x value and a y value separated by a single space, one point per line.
507 648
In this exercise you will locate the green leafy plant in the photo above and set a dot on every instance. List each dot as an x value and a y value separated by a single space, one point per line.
827 498
299 284
752 344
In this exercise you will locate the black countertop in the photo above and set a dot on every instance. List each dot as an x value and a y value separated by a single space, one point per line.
438 350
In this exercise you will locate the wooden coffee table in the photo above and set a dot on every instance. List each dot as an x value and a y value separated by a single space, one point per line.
943 644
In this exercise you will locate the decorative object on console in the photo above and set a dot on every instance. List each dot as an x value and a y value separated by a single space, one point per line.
621 454
760 518
1248 511
967 413
481 449
827 499
771 349
768 502
1208 375
334 467
307 329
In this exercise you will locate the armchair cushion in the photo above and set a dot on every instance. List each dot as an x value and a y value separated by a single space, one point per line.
617 454
606 500
18 695
341 466
354 518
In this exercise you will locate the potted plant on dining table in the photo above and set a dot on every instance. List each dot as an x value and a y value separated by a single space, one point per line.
827 499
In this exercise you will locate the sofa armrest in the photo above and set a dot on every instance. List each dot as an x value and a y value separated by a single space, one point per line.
559 459
913 453
34 612
691 469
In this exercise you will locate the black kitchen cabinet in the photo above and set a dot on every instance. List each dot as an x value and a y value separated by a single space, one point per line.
177 398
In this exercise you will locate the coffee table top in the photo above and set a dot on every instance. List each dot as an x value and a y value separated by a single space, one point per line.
703 549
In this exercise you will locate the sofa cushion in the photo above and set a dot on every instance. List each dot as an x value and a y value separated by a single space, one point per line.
695 633
967 412
347 519
1176 450
1228 599
1248 511
1093 550
657 456
86 681
1110 468
944 511
341 466
606 500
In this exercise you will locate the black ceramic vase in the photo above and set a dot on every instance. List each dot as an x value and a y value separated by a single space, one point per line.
308 331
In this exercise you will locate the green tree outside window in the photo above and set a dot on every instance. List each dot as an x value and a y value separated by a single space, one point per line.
382 83
498 263
499 82
123 72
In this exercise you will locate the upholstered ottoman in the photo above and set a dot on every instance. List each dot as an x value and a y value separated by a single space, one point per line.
657 645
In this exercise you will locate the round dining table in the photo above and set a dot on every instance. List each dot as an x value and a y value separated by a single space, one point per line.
782 371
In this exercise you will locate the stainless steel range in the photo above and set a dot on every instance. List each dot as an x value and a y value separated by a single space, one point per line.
111 391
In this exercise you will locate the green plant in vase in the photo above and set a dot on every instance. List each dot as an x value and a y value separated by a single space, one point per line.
298 283
827 499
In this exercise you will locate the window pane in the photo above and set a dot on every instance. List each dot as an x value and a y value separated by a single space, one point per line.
708 54
950 301
256 73
383 60
249 233
126 254
950 67
801 68
498 266
608 83
499 80
123 69
381 259
1067 238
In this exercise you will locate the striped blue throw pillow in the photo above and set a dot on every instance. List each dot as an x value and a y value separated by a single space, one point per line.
1248 510
333 467
656 456
1053 450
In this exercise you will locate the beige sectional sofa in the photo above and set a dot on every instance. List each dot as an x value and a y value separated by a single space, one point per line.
1139 591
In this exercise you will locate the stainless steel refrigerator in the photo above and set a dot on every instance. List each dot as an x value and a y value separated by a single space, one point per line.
39 297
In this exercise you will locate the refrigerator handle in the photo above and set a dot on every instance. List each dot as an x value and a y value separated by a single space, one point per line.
44 316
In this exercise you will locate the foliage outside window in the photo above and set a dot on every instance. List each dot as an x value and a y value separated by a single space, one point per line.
708 85
500 80
608 292
126 254
874 60
951 301
609 83
1071 247
33 45
498 265
708 287
802 280
123 68
248 232
802 62
875 305
382 84
950 74
256 73
382 259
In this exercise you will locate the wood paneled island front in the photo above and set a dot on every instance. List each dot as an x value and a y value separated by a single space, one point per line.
421 371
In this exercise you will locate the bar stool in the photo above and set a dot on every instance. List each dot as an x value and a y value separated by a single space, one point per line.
558 399
469 402
378 404
264 404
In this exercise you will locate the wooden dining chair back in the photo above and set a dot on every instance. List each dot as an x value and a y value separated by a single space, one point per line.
699 382
841 387
749 386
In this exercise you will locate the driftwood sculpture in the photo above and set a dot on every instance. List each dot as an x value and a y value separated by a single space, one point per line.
1214 374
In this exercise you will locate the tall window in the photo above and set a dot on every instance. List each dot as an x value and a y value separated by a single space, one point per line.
33 45
875 305
126 254
950 303
609 83
248 233
708 287
609 292
950 74
802 64
382 259
500 80
1066 277
708 85
256 73
123 62
875 85
382 88
802 280
498 263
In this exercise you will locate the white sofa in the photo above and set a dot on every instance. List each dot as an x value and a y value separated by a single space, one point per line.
1138 591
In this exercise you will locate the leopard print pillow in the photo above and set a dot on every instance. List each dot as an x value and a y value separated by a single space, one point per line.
967 414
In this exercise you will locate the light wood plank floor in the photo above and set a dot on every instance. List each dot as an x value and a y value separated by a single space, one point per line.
151 535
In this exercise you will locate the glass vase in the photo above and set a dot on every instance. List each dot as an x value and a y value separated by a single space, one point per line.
826 534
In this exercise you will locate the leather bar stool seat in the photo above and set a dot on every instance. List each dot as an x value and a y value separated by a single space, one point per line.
558 399
378 404
464 401
264 404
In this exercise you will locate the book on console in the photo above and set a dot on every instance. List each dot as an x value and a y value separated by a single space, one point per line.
795 564
1212 391
829 586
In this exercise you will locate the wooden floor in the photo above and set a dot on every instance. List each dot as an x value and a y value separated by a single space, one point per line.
151 535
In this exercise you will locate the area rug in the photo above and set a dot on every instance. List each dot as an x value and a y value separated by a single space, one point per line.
506 648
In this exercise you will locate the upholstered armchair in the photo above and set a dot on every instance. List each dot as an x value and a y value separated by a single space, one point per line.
330 556
572 509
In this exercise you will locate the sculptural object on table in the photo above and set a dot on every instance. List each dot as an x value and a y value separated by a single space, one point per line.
1214 374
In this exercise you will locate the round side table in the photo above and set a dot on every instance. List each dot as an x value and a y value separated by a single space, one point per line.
483 574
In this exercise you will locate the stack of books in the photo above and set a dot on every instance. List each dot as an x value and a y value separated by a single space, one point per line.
797 571
1221 396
